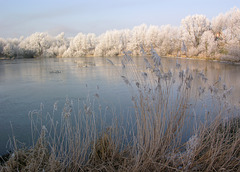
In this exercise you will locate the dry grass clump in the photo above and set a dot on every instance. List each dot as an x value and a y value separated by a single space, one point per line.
37 158
215 148
152 138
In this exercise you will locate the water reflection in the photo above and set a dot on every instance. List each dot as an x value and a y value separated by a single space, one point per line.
25 83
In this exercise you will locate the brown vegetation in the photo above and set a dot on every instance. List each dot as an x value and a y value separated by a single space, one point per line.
150 141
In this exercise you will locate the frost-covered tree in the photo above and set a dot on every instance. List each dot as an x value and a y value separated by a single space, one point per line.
2 44
152 38
81 45
170 40
36 44
227 32
77 46
218 24
112 43
232 34
10 50
59 45
228 25
232 29
208 45
124 40
91 43
193 28
10 47
196 37
137 39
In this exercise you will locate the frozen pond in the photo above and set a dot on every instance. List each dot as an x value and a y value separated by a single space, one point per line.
25 84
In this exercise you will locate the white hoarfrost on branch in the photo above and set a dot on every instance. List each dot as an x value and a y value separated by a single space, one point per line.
196 37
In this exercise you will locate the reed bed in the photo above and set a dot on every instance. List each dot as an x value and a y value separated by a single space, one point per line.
150 139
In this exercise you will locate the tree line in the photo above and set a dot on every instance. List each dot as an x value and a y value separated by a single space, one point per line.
197 36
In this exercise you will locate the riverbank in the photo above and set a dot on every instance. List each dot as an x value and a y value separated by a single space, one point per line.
4 58
211 148
222 59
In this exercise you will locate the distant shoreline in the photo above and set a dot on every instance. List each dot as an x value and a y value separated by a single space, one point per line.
215 59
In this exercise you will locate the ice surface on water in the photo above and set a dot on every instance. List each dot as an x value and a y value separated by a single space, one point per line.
25 83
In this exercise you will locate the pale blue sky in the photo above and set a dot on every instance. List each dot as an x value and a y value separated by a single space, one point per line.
24 17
